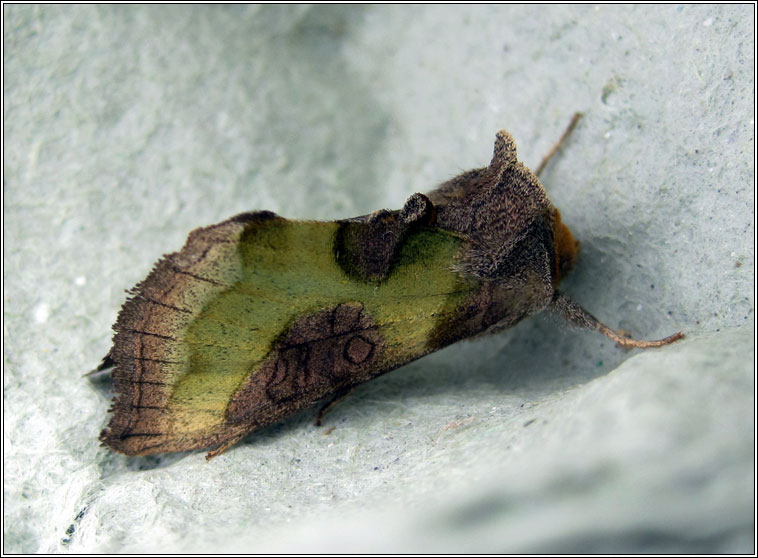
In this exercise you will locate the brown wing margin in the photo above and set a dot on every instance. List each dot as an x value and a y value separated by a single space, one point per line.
148 352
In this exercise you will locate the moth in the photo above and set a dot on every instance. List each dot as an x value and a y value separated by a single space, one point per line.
259 316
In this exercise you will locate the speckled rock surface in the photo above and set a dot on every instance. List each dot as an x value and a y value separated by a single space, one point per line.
126 127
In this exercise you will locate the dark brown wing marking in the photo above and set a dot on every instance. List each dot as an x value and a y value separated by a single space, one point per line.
367 248
319 354
147 348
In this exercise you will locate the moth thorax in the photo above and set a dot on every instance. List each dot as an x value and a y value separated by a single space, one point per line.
566 249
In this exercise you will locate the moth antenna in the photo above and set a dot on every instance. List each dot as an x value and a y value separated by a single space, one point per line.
558 144
575 314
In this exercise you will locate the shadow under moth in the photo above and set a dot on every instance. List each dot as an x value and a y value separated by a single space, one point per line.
259 316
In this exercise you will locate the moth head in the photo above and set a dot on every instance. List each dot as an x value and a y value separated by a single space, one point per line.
566 249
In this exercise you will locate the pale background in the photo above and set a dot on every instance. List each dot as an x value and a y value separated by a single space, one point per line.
127 126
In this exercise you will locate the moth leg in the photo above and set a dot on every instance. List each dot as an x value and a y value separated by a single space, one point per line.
226 444
578 316
559 143
103 369
336 398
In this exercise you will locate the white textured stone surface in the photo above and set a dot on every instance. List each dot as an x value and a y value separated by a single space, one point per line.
125 127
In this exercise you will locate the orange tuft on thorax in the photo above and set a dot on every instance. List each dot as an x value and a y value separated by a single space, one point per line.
566 249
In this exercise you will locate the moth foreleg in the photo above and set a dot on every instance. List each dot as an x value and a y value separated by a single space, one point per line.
329 405
578 316
558 144
227 443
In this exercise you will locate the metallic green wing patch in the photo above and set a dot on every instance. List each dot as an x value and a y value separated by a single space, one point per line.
267 321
